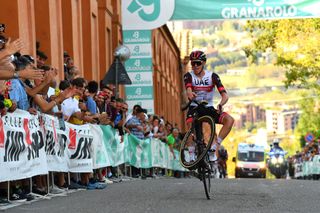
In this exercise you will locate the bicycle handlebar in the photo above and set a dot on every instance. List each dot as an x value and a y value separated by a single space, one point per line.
183 108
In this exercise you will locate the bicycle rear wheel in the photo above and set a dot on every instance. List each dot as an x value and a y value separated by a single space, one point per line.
191 153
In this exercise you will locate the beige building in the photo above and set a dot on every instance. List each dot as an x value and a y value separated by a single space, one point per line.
280 121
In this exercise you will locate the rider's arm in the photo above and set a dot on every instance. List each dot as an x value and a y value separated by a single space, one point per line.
224 98
188 85
217 82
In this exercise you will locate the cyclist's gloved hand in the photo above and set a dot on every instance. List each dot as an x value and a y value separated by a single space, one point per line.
219 109
191 95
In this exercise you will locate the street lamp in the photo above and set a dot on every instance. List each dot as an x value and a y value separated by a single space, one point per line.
117 73
122 52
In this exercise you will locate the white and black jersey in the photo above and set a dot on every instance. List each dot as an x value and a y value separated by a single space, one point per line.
204 87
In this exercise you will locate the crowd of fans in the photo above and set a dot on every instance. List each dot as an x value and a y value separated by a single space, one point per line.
31 84
307 154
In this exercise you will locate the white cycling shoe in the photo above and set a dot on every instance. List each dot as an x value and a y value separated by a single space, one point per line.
212 156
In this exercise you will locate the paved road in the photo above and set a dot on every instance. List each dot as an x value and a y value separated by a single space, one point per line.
187 195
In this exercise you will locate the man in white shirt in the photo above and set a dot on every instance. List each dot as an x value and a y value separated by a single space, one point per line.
70 106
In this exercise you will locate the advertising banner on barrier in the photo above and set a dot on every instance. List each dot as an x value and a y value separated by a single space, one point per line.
31 146
56 144
80 148
134 150
22 152
155 146
108 139
316 164
298 170
100 156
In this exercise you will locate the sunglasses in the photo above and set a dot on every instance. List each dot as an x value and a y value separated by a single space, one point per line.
124 108
194 63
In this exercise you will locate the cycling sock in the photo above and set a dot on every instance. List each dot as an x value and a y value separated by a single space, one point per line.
214 145
219 140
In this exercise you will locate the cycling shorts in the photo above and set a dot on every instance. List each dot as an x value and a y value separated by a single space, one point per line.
211 111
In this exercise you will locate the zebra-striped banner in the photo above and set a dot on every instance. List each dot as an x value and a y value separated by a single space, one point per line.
34 144
22 152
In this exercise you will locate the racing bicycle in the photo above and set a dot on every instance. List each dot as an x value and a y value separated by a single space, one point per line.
197 142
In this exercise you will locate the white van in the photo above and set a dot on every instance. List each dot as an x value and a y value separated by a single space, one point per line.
250 161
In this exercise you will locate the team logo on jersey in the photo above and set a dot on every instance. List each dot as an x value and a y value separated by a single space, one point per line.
202 82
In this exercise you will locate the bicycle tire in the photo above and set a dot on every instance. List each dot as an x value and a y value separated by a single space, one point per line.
192 165
208 177
205 176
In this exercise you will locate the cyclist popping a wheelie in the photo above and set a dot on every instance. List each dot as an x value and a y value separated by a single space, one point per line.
201 118
200 85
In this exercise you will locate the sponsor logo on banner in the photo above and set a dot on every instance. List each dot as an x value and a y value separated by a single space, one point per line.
139 65
137 36
259 9
80 157
36 146
142 79
244 9
139 92
83 149
29 139
140 50
73 137
26 129
146 14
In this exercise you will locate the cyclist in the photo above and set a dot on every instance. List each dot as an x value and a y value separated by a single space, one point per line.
200 85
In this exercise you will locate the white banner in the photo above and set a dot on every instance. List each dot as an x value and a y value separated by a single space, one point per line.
80 148
56 144
22 152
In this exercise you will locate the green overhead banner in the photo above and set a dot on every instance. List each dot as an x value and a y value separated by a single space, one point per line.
151 14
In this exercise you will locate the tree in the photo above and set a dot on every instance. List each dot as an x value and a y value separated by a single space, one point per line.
296 45
309 120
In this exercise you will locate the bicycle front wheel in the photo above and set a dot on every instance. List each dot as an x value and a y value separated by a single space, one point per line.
191 153
205 176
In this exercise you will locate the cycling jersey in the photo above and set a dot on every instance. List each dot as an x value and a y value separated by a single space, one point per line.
204 87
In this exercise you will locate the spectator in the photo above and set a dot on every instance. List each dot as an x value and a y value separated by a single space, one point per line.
119 120
168 128
134 124
135 128
7 69
155 126
73 73
41 59
171 138
90 103
134 112
70 107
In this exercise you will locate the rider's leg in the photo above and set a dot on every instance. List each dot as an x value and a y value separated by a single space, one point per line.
227 122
